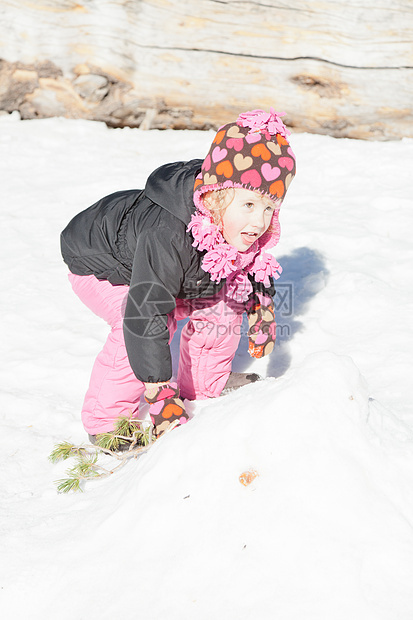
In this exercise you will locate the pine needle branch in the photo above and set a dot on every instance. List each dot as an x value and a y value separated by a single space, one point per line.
86 469
64 450
127 431
69 484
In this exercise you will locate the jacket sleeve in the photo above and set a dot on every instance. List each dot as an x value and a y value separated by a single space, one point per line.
157 276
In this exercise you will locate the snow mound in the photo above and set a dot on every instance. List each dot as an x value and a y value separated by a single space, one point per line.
322 531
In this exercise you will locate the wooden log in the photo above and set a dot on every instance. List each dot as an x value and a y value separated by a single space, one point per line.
337 69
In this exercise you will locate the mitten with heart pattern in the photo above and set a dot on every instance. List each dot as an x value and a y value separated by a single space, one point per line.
262 328
165 406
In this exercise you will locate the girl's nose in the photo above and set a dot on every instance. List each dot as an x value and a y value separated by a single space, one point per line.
258 218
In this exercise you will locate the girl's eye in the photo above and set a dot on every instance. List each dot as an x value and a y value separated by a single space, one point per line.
249 205
270 209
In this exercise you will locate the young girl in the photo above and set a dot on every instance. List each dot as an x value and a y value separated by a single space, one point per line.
191 244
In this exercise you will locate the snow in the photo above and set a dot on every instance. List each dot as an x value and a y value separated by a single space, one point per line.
326 528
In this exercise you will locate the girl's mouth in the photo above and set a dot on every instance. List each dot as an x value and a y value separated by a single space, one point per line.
249 237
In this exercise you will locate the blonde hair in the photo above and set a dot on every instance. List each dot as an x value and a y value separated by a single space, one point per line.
217 202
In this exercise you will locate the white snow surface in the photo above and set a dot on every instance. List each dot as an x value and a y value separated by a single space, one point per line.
326 529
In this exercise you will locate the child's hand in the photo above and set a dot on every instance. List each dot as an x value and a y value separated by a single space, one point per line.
261 333
165 406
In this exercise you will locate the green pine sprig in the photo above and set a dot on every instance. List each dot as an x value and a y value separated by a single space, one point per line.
64 450
129 439
126 435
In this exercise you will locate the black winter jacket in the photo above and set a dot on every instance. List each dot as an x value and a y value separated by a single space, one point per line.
139 238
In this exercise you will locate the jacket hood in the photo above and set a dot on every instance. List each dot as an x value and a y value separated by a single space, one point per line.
172 187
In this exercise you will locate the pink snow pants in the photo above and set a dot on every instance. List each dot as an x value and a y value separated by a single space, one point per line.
208 344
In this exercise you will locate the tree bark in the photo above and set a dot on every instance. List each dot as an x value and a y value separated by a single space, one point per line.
338 69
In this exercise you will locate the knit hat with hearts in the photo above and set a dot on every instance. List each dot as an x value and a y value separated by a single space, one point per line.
252 153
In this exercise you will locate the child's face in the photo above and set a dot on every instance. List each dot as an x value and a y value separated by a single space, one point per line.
246 218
